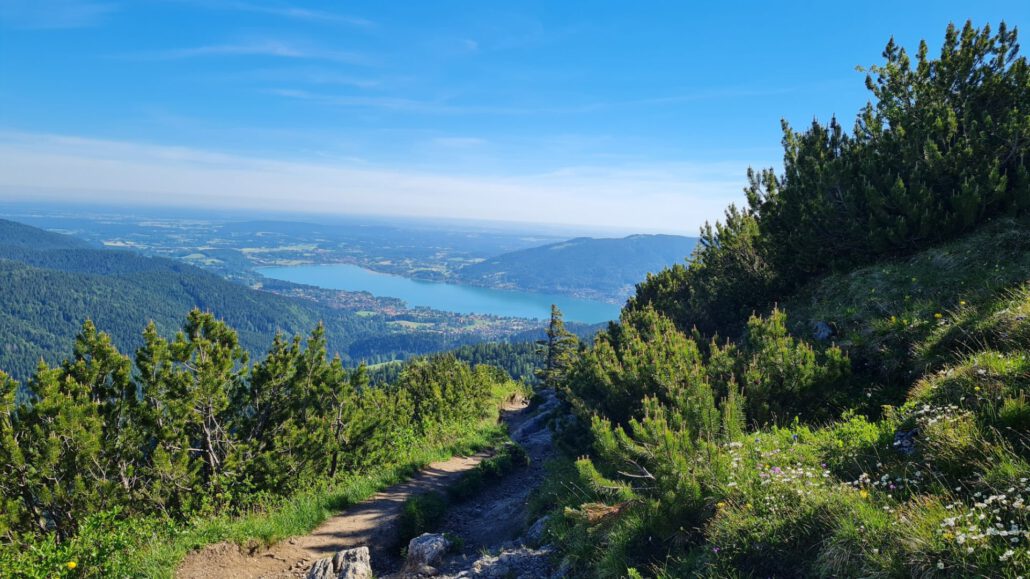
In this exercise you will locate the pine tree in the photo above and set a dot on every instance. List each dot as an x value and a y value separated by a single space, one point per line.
558 350
12 507
193 430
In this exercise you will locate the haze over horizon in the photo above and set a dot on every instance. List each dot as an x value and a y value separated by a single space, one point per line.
574 113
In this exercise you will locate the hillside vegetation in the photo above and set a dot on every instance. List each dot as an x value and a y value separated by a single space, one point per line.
836 385
104 455
52 283
605 269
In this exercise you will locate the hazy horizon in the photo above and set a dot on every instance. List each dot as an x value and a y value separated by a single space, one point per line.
569 115
29 210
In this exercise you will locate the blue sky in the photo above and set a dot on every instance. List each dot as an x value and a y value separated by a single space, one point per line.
639 116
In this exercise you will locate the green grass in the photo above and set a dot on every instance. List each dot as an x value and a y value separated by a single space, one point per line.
421 514
898 319
301 513
506 458
940 341
111 545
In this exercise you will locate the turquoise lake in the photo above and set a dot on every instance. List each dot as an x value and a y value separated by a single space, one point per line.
444 296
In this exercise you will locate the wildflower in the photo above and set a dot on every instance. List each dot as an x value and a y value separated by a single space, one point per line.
938 316
71 565
720 505
940 564
962 302
863 493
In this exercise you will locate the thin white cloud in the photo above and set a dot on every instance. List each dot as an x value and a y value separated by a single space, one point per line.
269 48
668 197
54 14
313 75
452 107
288 11
385 102
434 107
459 142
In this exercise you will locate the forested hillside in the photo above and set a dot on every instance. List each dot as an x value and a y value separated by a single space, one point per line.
18 235
52 283
836 385
605 269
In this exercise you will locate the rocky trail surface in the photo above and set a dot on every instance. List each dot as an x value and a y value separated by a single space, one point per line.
498 538
489 524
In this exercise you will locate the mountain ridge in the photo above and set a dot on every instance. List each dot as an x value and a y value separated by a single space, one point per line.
601 268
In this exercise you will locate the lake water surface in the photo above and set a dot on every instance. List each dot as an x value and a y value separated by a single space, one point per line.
444 296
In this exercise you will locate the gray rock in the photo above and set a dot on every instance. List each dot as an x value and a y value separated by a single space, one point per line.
346 564
535 534
822 331
425 550
322 569
905 442
564 569
513 562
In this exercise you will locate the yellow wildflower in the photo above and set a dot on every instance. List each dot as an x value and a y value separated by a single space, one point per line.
720 505
962 302
863 493
938 315
71 565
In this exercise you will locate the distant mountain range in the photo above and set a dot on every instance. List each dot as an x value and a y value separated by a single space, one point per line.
602 269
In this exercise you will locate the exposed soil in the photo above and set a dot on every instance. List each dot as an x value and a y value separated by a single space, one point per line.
492 517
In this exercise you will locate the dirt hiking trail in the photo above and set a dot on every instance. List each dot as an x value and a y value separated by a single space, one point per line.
375 522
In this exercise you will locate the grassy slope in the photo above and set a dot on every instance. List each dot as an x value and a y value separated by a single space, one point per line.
899 319
940 343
